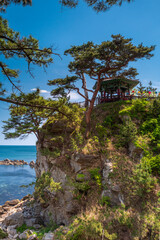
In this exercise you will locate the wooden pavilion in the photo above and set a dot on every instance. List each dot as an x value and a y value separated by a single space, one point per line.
116 89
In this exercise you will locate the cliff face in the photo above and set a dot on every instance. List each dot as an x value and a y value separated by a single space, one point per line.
60 206
109 180
103 187
77 184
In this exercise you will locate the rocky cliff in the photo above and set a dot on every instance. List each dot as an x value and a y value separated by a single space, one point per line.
103 187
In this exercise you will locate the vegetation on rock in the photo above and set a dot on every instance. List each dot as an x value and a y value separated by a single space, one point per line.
3 234
45 185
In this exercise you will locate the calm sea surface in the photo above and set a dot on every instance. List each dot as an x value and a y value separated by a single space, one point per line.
12 177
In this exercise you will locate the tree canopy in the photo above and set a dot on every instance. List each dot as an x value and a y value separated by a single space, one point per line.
5 3
32 111
108 60
13 45
28 117
97 5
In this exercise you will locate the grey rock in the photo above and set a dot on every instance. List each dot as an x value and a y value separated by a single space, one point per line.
14 219
32 164
12 202
26 234
115 188
37 226
1 210
107 169
113 191
48 236
116 198
11 230
58 175
33 237
30 222
74 164
135 152
81 161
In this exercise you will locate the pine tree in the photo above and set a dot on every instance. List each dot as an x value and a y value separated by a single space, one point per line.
141 88
30 113
107 60
150 87
97 5
5 3
12 45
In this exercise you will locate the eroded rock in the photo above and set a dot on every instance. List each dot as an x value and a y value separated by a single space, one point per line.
15 219
48 236
113 191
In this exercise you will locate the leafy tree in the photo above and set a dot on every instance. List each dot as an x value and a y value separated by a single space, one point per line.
107 60
98 5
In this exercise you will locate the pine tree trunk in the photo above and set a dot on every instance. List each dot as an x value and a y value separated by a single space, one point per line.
85 91
90 109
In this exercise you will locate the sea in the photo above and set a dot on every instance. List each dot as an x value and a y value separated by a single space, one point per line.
13 177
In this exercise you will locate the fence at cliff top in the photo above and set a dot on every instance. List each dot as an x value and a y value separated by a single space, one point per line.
133 96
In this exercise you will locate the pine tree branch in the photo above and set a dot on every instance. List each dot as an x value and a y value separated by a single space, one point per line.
7 75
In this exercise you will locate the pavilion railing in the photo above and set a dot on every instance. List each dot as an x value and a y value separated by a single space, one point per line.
99 100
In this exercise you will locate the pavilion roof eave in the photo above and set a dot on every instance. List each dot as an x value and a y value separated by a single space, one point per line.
130 82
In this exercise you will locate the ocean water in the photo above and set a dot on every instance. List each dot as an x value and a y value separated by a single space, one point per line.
13 177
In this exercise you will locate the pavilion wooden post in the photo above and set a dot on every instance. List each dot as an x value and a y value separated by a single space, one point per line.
111 94
128 90
104 96
118 91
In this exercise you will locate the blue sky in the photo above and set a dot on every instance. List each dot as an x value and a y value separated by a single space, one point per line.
61 27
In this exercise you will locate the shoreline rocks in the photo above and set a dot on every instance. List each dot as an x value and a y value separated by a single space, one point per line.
32 164
8 162
23 212
15 213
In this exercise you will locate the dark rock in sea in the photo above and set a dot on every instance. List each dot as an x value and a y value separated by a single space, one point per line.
8 162
32 164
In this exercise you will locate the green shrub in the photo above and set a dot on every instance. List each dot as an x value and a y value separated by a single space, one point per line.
151 226
138 109
102 133
142 179
127 133
76 141
24 227
105 200
43 185
154 163
152 128
3 234
40 233
108 121
80 176
124 218
95 175
88 229
149 125
48 153
82 186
